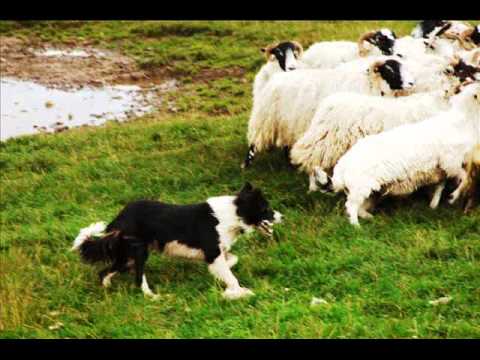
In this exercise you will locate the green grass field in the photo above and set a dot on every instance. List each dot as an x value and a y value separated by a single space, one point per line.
377 279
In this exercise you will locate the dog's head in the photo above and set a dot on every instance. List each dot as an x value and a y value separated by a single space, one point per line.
254 210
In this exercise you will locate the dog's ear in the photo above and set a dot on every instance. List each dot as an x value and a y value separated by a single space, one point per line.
247 187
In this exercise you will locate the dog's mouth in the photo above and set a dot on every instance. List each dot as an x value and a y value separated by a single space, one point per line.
266 227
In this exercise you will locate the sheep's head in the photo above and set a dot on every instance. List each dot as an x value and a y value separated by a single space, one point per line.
475 35
391 75
286 53
426 27
461 70
468 96
383 39
476 58
468 38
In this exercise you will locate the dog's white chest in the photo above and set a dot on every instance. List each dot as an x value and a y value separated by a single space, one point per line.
174 248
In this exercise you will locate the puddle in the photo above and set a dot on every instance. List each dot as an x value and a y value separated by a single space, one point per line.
29 108
70 53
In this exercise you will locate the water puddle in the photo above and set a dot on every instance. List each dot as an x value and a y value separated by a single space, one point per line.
52 52
29 108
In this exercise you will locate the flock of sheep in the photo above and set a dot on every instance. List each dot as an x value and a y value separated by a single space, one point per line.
382 115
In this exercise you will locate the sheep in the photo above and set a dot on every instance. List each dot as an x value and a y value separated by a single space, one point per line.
343 118
280 57
463 71
470 57
441 38
473 169
431 72
329 54
425 28
400 160
287 104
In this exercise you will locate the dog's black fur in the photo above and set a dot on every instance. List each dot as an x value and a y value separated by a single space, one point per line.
144 224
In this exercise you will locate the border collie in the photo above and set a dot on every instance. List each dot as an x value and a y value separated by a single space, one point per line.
204 231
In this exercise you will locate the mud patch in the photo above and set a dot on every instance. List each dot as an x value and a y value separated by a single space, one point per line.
69 66
51 89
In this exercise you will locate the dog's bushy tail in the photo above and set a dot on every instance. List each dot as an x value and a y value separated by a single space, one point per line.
94 245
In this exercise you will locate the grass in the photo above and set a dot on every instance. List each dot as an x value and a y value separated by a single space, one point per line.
377 279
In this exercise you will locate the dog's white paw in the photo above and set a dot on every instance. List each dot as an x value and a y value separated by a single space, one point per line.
153 297
233 294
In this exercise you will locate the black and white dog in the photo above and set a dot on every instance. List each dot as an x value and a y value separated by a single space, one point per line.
203 231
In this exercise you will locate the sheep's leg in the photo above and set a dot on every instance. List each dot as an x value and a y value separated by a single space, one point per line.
352 211
250 156
286 153
322 178
472 194
363 210
463 177
312 186
353 205
437 195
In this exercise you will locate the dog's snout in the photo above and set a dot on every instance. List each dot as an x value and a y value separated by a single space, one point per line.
291 68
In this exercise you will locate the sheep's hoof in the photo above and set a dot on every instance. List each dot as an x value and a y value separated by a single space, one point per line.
366 215
452 198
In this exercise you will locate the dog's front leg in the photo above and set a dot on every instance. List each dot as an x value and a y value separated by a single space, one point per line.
219 269
231 259
141 256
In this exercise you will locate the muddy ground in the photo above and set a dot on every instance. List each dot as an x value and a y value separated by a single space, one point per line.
23 59
71 67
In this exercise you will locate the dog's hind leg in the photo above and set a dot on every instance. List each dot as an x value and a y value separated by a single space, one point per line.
219 269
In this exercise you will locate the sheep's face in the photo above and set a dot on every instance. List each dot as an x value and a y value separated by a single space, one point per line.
463 71
385 41
427 26
475 36
286 53
395 75
468 96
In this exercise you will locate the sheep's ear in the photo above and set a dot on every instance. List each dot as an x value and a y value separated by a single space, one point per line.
247 187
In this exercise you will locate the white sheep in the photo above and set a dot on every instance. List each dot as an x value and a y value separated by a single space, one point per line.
280 57
343 118
285 107
473 170
429 71
426 28
400 160
329 54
